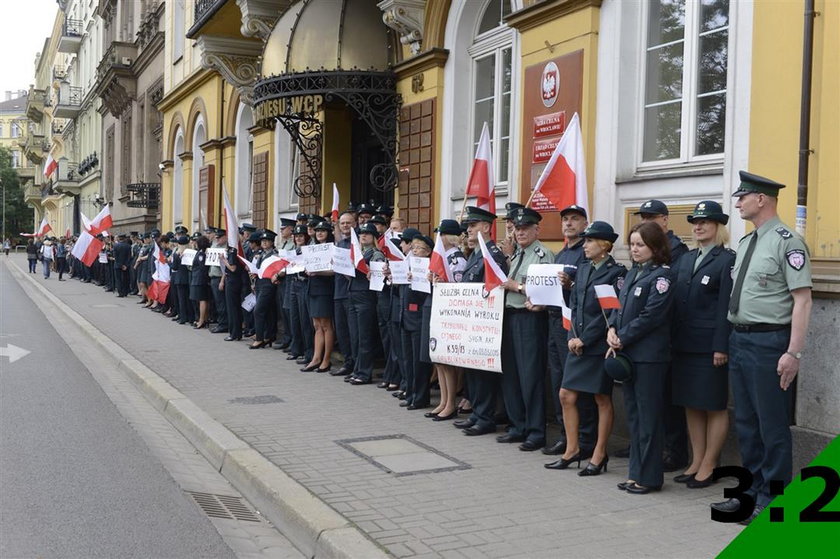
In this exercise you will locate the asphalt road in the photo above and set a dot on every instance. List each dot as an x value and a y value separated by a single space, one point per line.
75 479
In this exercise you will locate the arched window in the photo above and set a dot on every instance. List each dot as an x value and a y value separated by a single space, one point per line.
199 137
243 185
178 180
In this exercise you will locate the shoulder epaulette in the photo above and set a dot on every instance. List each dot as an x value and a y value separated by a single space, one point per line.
784 233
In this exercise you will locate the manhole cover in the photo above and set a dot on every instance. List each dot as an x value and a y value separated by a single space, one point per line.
256 400
401 455
223 506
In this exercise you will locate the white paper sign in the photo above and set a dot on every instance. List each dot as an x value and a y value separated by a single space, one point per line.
419 274
342 263
249 302
187 257
377 275
317 258
542 286
295 261
213 255
103 257
399 272
466 328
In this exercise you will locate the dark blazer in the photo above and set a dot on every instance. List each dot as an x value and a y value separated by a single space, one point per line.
411 306
701 301
474 271
587 316
678 248
122 254
360 282
180 273
200 273
642 322
570 256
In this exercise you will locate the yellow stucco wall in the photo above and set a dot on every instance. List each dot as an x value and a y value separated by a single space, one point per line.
774 114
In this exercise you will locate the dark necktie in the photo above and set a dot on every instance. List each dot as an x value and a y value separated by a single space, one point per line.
735 299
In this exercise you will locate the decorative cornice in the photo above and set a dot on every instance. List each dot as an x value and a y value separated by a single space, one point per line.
215 143
236 60
167 164
434 58
185 156
227 141
406 18
546 11
259 16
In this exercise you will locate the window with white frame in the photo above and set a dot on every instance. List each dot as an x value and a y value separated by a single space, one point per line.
15 130
492 64
15 159
684 86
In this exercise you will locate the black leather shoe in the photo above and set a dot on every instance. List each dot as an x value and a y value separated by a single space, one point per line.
756 511
530 446
509 438
355 381
382 384
404 404
683 478
475 431
439 417
302 361
309 368
342 372
219 330
232 339
463 423
637 489
348 378
593 470
430 414
293 358
695 483
622 485
416 407
563 463
729 505
622 452
557 448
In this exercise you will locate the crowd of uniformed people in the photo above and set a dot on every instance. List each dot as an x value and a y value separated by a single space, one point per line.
667 346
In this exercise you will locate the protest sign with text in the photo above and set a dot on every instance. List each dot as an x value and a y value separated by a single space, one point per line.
342 262
187 257
377 276
399 272
419 274
543 286
213 255
317 258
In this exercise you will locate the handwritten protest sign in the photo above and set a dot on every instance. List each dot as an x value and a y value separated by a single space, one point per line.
377 276
317 258
341 262
399 272
543 286
213 255
187 257
466 328
295 261
419 274
103 257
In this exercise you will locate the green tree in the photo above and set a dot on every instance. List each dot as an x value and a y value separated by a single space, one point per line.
17 213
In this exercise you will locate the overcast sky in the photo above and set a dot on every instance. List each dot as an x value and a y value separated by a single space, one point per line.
24 25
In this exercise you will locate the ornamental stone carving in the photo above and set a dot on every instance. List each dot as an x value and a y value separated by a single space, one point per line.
406 18
237 60
259 16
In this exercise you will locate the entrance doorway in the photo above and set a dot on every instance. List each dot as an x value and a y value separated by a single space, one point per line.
366 153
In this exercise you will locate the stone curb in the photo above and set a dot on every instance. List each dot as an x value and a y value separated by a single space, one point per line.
314 527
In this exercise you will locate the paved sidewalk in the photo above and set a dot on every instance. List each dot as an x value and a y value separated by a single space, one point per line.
428 491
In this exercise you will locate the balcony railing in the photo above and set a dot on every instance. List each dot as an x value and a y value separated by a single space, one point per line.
203 11
118 56
69 101
143 195
71 36
35 104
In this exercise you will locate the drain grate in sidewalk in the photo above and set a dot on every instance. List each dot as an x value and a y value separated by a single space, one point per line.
401 455
257 400
223 506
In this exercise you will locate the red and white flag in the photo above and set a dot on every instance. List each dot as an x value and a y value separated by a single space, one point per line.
356 254
232 224
44 228
50 165
161 277
493 274
87 248
482 182
437 262
391 251
101 223
271 266
563 181
567 317
607 297
334 213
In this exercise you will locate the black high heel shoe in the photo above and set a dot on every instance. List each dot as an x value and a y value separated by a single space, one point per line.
593 470
564 463
439 417
309 368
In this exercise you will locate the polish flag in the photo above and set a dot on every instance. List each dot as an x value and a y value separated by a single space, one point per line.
493 275
391 251
50 165
563 181
437 263
482 183
87 248
161 277
271 266
334 213
567 318
250 266
101 223
231 224
356 254
607 297
45 226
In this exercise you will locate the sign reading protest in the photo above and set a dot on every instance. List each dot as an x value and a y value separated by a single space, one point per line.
466 328
543 286
377 275
399 272
342 263
187 257
317 258
213 255
420 274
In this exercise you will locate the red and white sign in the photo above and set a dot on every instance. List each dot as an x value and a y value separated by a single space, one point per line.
543 149
553 124
550 84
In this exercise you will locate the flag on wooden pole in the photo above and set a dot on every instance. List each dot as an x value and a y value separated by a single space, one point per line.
563 181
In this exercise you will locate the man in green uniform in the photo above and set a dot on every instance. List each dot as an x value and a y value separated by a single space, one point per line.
524 340
769 310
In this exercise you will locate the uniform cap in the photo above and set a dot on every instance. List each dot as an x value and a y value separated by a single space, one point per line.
600 230
378 219
365 209
756 183
385 209
369 228
652 207
300 230
183 240
221 232
511 207
448 227
526 216
474 214
286 222
249 227
196 235
134 234
209 229
620 367
323 225
708 209
426 241
409 233
302 217
268 235
254 237
155 233
181 230
574 208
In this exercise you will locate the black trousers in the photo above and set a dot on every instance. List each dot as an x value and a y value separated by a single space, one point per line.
122 282
185 307
418 373
232 292
383 315
265 316
342 330
644 397
285 334
524 365
220 303
363 317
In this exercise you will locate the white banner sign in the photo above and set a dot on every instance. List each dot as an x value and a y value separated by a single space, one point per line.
466 328
399 272
317 258
377 275
187 257
213 255
543 286
420 274
342 263
103 257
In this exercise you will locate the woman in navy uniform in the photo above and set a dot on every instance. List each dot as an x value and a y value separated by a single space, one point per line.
303 336
640 328
418 372
231 285
363 309
181 281
587 343
321 291
265 316
700 340
200 282
398 384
